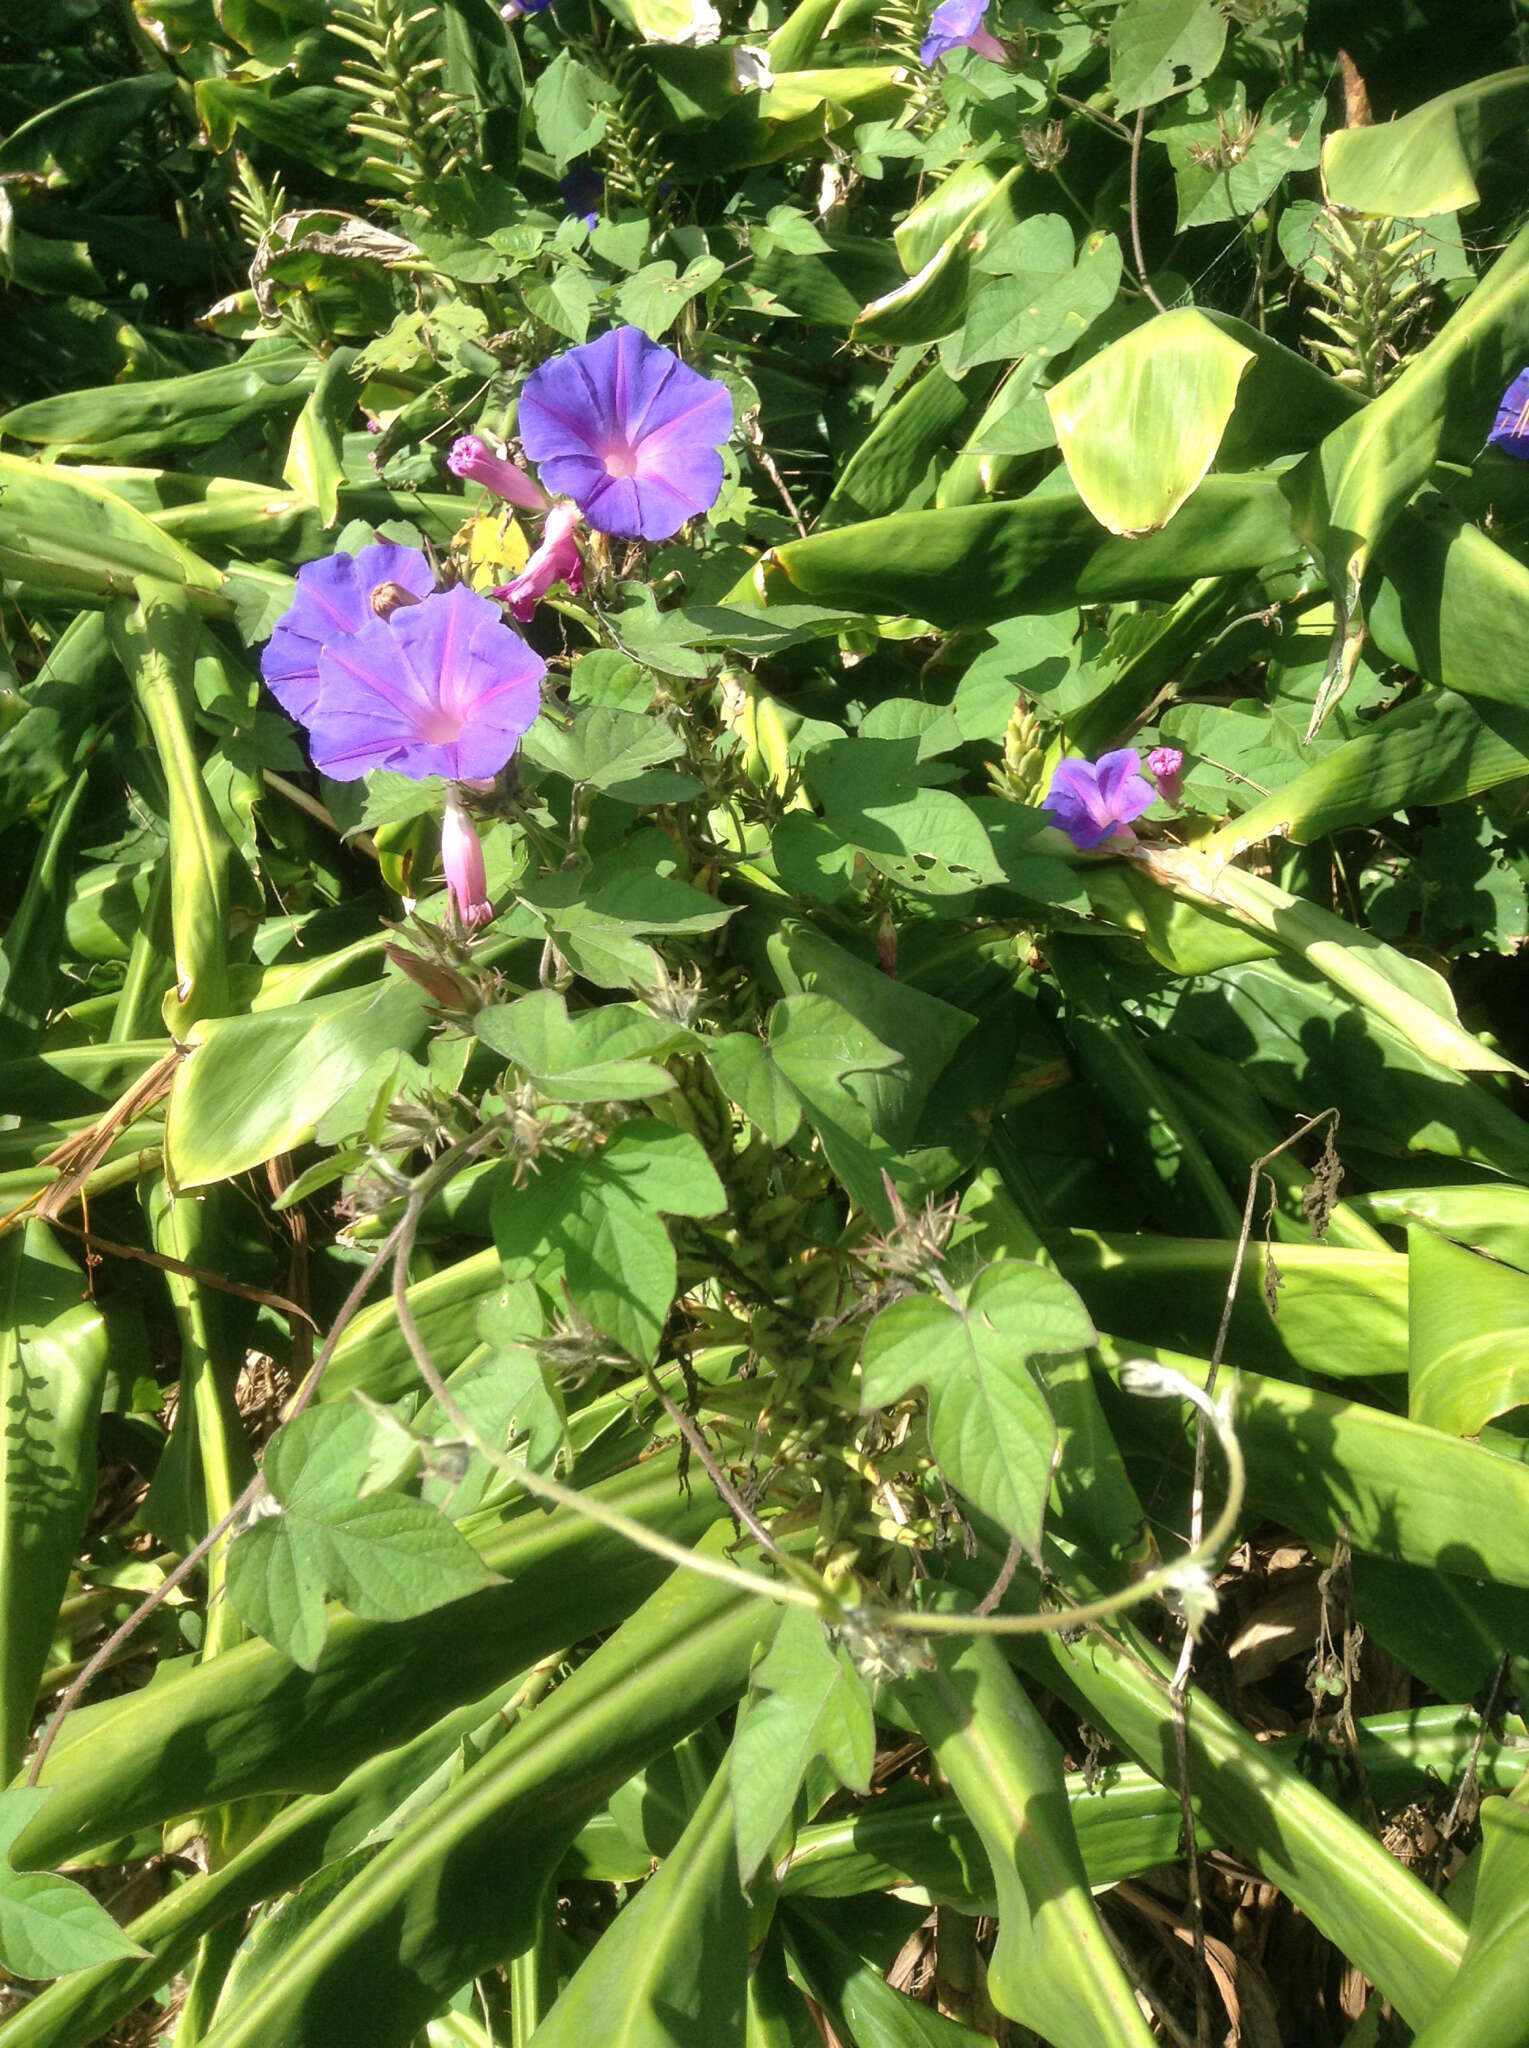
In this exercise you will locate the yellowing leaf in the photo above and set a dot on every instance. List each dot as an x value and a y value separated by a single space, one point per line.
1139 423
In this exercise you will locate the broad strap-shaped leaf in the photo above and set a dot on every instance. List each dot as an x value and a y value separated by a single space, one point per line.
988 1420
1424 163
674 1964
858 1998
1469 1335
1380 1915
1053 1968
1408 994
255 1086
1486 2004
252 1721
1324 1466
54 1353
1350 490
968 565
459 1887
808 1701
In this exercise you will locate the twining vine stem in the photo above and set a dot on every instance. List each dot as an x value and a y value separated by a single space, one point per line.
1179 1691
800 1587
429 1184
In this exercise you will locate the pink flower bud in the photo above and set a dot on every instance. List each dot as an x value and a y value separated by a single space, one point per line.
462 858
557 560
1166 767
473 459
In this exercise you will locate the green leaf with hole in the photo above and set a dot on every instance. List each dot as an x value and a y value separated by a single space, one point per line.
1162 47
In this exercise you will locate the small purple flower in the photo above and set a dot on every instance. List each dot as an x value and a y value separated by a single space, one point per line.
1510 429
512 10
582 191
1094 801
334 598
557 560
626 430
958 25
1166 767
462 860
472 459
442 687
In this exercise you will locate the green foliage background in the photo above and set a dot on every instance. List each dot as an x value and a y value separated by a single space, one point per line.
706 1566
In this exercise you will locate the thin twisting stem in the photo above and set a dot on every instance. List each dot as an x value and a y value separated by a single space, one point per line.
729 1495
1141 261
543 1487
97 1663
1179 1691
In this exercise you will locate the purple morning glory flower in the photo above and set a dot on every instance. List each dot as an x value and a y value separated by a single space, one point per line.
334 599
957 25
626 430
582 190
1094 801
512 10
442 687
1510 429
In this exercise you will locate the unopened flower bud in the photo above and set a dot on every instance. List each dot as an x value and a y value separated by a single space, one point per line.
462 859
472 459
387 598
1166 767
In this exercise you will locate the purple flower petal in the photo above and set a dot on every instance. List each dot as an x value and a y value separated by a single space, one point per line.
951 26
629 432
333 599
443 687
1510 429
1124 792
557 560
1091 802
